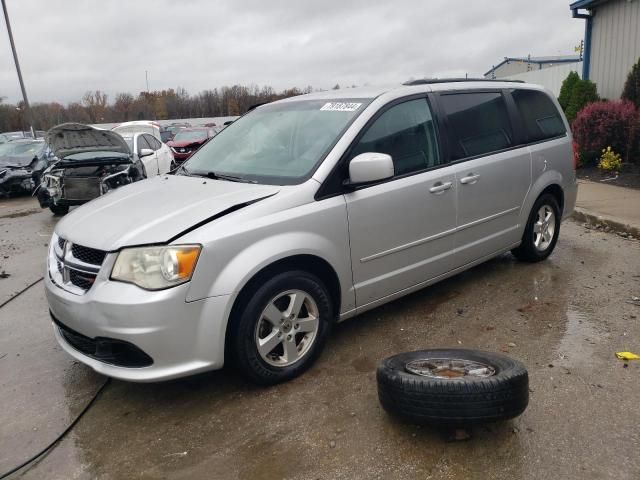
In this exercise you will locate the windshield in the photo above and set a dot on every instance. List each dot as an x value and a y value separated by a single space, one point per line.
278 144
185 135
21 149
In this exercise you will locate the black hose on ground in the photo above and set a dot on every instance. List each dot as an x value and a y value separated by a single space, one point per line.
20 292
59 437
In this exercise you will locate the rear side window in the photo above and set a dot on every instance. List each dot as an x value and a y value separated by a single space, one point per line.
540 117
406 132
478 123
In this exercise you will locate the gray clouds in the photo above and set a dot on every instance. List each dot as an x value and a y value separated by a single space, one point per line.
69 46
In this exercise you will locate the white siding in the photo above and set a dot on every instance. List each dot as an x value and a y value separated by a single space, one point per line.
615 45
550 78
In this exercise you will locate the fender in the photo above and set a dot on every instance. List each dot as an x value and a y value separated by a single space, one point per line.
253 240
248 262
550 177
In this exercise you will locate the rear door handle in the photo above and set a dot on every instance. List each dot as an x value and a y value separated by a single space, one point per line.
471 178
440 187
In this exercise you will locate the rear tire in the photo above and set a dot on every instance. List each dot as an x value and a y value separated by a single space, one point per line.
542 230
59 210
280 327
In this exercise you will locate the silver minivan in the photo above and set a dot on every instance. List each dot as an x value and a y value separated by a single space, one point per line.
302 213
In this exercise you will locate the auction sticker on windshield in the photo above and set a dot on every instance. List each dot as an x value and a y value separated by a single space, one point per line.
340 107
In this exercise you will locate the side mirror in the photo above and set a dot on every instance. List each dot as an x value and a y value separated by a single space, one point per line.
370 167
145 152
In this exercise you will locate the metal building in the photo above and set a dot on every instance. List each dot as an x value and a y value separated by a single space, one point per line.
515 65
611 42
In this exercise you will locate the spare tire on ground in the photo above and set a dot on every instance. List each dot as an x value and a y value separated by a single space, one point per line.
451 387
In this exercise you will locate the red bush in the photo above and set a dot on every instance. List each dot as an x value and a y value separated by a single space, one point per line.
603 124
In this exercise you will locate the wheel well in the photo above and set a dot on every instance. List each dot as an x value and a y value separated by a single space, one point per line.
557 192
308 263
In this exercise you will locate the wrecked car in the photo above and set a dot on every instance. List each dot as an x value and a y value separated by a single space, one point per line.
91 162
21 164
187 141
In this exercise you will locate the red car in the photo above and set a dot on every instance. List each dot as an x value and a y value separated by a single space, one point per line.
187 141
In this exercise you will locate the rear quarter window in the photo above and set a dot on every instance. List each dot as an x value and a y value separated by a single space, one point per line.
540 117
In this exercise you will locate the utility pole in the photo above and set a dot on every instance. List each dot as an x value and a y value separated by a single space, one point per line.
15 59
146 76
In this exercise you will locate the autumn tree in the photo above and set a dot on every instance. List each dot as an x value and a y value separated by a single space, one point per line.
96 105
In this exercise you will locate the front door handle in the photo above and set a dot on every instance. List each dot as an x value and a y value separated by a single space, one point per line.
440 187
469 179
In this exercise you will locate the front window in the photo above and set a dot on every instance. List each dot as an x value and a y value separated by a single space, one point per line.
279 144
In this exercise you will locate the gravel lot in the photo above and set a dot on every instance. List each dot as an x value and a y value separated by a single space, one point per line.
566 316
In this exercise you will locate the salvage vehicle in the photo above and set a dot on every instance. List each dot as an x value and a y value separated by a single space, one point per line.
90 162
187 141
21 164
156 157
304 212
139 126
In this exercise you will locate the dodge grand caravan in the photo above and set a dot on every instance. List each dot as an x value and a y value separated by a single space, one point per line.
302 213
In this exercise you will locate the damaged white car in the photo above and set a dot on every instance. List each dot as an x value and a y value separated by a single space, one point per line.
90 163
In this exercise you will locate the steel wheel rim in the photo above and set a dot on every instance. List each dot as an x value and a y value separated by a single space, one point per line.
287 328
544 228
449 368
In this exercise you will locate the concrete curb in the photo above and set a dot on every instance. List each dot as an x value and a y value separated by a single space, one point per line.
582 215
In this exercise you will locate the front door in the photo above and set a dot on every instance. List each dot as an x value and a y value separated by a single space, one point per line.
401 230
150 162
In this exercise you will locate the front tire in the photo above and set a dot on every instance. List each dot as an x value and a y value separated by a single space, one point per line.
59 210
282 327
542 230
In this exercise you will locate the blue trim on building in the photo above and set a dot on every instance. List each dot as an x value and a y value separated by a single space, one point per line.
588 27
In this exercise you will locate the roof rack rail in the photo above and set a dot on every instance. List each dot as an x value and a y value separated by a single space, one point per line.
427 81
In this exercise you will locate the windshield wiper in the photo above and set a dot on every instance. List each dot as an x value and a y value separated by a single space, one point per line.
231 178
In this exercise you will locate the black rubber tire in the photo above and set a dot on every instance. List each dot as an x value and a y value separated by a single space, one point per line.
449 402
527 251
59 209
242 346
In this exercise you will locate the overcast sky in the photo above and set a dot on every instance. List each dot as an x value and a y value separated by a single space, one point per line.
67 47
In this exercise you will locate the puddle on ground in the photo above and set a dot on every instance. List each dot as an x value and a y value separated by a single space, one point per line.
578 344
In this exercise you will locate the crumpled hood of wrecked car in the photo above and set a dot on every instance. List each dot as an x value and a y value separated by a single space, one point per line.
155 210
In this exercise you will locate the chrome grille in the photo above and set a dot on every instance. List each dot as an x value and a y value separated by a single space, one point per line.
74 267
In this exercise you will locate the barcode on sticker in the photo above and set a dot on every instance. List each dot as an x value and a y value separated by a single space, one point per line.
340 107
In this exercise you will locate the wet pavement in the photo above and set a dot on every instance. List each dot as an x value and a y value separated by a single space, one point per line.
567 317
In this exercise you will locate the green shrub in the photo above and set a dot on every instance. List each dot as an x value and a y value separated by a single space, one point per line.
583 93
567 88
631 90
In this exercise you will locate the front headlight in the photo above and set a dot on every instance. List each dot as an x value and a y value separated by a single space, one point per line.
156 268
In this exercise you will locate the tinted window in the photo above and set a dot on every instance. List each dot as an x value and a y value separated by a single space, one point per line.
405 132
478 123
540 117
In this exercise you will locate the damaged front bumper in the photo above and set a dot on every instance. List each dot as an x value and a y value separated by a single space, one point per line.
59 190
16 180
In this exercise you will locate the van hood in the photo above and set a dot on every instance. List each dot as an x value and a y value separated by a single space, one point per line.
157 210
72 138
